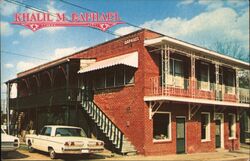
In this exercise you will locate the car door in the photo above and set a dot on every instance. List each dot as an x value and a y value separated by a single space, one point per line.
44 138
36 142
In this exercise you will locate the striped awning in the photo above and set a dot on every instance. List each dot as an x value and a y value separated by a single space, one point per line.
130 59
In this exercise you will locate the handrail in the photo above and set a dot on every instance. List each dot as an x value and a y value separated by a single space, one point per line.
114 133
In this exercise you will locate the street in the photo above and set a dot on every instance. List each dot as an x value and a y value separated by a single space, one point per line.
23 154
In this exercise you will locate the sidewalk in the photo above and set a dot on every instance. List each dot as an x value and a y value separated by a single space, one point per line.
211 156
221 155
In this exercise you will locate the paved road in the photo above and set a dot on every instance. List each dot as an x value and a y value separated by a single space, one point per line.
23 154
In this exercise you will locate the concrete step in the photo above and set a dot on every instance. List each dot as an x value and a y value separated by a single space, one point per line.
128 152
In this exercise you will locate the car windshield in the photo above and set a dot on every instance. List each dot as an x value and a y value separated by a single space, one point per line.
70 132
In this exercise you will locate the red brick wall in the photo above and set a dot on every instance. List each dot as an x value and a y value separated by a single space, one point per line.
124 105
127 109
193 132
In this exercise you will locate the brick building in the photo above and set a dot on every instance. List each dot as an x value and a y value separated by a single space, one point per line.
143 92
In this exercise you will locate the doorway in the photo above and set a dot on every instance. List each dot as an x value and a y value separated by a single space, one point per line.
217 133
219 130
180 135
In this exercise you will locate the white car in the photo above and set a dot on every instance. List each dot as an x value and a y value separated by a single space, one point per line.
8 142
63 140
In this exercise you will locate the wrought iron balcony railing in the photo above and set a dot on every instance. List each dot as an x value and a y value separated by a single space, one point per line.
182 87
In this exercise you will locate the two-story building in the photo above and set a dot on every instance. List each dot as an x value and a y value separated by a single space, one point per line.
143 92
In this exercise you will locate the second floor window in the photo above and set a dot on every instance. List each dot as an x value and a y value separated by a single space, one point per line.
176 67
114 77
229 78
204 72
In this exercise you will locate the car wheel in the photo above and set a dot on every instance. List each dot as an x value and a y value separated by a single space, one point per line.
30 149
52 153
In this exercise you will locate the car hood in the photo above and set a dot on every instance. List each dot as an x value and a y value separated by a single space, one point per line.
7 138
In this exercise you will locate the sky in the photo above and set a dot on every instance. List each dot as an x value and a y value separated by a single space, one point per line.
201 22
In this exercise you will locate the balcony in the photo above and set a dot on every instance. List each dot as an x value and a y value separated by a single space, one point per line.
49 97
182 87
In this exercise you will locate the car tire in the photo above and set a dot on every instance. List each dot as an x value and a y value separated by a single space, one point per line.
30 149
52 153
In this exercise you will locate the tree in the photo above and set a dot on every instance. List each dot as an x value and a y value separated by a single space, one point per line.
231 48
234 49
244 79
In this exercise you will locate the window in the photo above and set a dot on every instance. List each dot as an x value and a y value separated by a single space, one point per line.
203 77
204 72
119 76
162 126
205 126
129 76
70 132
229 77
232 126
46 131
176 67
110 78
99 80
114 77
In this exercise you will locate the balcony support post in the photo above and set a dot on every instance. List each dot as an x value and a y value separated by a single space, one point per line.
165 66
193 87
237 85
167 63
162 70
217 80
68 93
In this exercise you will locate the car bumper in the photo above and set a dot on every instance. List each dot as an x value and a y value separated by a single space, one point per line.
81 151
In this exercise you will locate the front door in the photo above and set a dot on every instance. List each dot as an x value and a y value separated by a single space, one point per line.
180 135
217 134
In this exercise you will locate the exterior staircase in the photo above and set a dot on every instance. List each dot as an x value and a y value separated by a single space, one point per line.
111 131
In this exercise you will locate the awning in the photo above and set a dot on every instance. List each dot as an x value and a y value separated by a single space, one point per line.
130 59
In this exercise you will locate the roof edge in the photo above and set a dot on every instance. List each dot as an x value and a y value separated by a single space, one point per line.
195 47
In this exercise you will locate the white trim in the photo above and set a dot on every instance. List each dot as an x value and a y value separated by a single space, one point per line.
169 128
200 49
234 127
222 129
194 100
208 130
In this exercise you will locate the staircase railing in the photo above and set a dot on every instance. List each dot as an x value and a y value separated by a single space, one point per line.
102 120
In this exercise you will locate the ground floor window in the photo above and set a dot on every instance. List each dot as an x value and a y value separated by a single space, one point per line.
232 126
205 126
162 126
